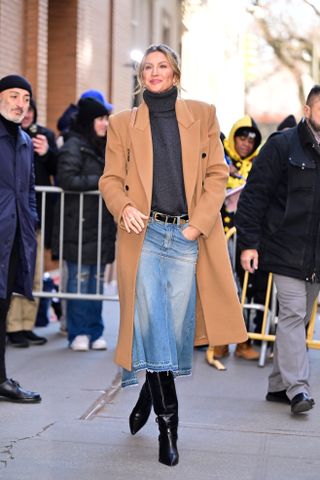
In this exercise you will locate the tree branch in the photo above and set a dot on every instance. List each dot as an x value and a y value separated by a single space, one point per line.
314 8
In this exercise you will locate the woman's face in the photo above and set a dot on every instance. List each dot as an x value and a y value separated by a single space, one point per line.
157 73
100 125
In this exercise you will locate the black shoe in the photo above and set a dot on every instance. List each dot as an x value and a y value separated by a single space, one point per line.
301 403
141 411
33 338
18 339
280 397
10 390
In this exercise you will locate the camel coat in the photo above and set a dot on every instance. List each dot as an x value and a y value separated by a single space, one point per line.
127 179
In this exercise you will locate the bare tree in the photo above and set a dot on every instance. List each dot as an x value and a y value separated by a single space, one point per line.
292 44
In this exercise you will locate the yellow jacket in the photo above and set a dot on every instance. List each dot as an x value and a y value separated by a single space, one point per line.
243 165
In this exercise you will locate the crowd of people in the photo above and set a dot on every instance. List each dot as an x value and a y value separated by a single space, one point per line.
163 170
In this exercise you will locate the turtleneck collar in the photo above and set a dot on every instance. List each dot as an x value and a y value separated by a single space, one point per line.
161 102
11 127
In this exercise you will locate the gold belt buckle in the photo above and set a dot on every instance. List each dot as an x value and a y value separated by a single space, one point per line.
183 221
155 214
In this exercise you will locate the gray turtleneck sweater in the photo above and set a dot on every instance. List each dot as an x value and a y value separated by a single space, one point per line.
168 193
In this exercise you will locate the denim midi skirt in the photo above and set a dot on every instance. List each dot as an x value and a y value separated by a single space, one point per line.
165 298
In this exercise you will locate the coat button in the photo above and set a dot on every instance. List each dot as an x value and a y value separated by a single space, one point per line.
127 187
204 155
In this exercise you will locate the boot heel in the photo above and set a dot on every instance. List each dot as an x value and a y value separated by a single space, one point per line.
168 451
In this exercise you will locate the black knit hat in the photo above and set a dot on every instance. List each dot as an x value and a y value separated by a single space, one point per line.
89 109
15 81
287 122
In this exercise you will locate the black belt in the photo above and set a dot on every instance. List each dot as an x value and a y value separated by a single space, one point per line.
163 217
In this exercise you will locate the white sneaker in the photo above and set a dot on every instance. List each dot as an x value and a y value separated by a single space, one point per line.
99 344
80 343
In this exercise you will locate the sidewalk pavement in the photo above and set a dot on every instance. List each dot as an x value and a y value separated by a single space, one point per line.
227 429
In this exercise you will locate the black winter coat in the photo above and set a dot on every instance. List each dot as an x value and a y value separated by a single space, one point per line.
79 169
279 209
17 207
45 167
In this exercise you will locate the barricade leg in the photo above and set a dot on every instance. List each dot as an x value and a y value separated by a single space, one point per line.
264 345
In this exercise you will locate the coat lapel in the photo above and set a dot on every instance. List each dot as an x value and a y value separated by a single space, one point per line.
190 144
140 134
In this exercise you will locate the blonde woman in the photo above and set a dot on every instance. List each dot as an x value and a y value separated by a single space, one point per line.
164 182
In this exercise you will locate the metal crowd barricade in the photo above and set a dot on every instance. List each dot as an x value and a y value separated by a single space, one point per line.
60 293
269 308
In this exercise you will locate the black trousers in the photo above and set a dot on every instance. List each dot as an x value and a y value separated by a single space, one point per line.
5 304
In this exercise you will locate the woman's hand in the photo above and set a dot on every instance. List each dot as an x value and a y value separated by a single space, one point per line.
191 233
133 219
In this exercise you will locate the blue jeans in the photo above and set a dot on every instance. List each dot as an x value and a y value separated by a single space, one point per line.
84 317
164 318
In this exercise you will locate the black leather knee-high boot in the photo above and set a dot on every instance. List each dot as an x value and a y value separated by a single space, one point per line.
165 404
141 411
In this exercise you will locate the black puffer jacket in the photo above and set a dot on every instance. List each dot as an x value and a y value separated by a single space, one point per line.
45 167
79 169
279 209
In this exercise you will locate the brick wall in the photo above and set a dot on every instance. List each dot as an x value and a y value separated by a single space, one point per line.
93 39
63 46
11 37
122 45
36 47
23 45
42 80
92 46
62 57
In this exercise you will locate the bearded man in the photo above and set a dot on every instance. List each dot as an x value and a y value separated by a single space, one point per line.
278 226
18 215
